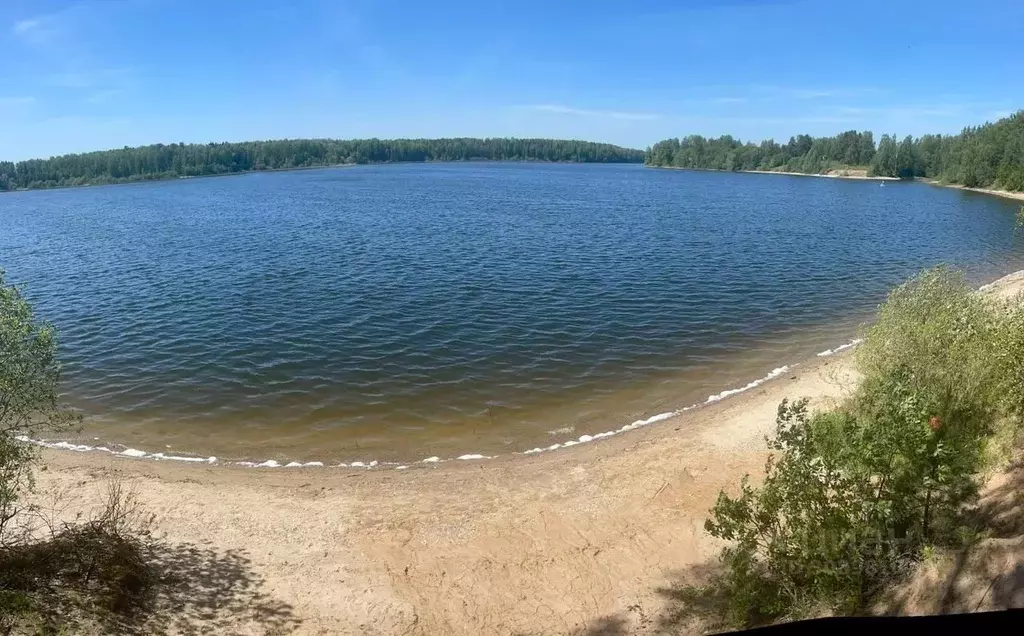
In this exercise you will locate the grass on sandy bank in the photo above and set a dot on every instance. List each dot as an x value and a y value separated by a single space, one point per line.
96 572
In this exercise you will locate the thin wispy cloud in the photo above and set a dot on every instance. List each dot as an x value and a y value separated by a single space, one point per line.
814 93
39 31
752 92
824 92
768 120
586 112
102 96
61 29
914 110
90 78
92 86
70 80
25 26
23 100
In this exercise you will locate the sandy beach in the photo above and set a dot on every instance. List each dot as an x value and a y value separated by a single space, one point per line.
543 544
852 173
584 538
1006 194
843 173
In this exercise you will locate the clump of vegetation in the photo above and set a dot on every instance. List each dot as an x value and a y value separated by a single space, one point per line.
853 497
50 570
29 401
802 153
990 155
99 571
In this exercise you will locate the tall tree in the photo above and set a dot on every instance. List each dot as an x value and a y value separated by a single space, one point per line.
905 158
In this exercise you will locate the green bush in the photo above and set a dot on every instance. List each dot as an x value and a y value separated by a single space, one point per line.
938 344
941 338
1010 355
827 525
851 497
98 566
29 404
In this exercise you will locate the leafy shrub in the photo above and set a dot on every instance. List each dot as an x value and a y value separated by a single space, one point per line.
940 338
819 532
29 404
1010 355
851 497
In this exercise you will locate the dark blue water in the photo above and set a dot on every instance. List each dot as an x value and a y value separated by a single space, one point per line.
409 310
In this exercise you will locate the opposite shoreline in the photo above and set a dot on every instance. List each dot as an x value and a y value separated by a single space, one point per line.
854 174
326 166
842 173
1006 194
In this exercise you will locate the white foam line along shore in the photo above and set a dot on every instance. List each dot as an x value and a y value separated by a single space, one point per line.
848 345
583 439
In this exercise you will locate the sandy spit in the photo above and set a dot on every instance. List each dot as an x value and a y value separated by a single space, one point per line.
842 173
846 173
554 543
1006 194
856 173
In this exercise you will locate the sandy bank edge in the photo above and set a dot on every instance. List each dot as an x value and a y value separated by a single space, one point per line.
541 544
843 173
1007 194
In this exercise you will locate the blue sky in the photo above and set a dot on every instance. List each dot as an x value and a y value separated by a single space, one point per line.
90 74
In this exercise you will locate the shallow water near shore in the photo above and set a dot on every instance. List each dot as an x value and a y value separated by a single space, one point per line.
400 312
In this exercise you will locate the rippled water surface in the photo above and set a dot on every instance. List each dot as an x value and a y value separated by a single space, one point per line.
410 310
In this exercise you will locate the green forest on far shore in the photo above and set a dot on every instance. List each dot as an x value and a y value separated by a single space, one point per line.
990 155
171 161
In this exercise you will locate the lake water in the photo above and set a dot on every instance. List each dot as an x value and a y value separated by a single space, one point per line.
402 311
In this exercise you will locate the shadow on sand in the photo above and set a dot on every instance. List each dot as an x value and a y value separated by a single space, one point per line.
989 575
89 579
202 590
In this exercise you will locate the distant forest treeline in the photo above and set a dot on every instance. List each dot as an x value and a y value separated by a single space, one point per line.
192 160
991 155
